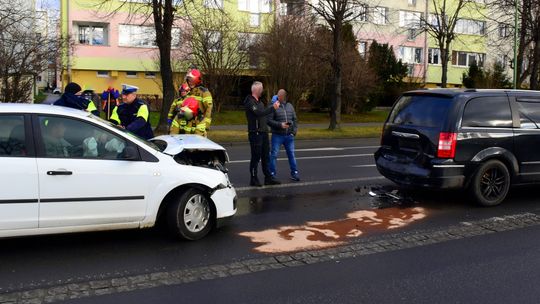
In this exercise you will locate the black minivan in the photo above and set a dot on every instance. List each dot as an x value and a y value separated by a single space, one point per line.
481 140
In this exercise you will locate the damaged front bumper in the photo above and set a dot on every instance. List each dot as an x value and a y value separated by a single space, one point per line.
225 200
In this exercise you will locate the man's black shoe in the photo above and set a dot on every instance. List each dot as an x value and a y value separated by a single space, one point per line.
255 182
271 181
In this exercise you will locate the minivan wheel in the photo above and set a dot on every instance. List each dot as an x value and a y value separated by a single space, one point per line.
491 183
190 215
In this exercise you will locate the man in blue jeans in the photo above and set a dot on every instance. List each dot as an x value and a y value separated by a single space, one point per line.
284 125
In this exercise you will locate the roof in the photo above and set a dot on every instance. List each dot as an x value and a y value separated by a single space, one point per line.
459 91
40 109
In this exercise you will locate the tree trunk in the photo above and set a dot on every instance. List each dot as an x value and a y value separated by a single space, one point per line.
522 48
335 113
444 66
535 67
163 20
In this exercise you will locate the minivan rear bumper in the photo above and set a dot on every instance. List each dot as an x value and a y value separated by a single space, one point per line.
437 176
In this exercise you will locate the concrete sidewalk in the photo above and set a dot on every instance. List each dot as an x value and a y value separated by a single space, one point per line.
302 126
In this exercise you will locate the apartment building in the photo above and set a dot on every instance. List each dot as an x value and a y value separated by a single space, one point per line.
111 49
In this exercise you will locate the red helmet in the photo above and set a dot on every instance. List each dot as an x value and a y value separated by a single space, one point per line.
194 76
184 88
189 109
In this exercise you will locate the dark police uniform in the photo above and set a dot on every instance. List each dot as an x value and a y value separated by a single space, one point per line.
135 117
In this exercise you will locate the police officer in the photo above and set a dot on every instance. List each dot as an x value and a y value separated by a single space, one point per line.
203 97
176 124
133 114
72 99
256 114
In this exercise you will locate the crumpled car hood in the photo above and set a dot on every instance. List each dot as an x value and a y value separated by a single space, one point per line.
175 144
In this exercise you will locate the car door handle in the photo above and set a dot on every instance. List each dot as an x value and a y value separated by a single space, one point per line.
59 173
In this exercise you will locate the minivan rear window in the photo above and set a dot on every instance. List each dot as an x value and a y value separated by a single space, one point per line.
421 110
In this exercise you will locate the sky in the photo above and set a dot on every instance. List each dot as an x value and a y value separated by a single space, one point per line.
48 4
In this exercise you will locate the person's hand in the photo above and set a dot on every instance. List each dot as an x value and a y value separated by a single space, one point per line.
276 105
284 125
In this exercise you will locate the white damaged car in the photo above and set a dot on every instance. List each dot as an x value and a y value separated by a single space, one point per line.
65 170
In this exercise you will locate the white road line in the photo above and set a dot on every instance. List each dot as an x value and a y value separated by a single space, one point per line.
314 183
363 166
309 157
334 148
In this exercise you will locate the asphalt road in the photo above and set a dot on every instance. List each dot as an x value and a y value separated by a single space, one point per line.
331 203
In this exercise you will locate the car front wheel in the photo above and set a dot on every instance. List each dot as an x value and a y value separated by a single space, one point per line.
190 215
491 183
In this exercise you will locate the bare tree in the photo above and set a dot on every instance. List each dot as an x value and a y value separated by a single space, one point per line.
441 23
528 52
161 14
292 53
218 45
24 52
336 13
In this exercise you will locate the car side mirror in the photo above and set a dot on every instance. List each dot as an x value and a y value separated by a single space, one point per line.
129 153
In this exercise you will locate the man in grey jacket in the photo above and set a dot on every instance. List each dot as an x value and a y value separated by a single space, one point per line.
284 125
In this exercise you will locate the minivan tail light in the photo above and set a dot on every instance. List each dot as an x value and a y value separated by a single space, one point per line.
447 145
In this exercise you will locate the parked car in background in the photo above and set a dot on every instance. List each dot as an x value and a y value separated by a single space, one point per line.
481 140
64 170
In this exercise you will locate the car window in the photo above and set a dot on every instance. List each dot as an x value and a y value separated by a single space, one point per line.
529 113
421 110
487 112
12 136
70 138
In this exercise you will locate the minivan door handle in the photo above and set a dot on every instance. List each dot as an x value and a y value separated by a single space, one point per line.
405 135
63 172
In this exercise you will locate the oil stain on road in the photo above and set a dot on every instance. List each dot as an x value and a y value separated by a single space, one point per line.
318 235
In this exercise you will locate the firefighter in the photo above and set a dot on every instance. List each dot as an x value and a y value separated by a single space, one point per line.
176 125
203 97
189 116
133 113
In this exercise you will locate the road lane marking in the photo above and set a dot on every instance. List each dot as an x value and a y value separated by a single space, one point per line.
309 157
363 166
314 183
334 148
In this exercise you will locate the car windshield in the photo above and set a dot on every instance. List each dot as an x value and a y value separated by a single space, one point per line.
420 110
148 143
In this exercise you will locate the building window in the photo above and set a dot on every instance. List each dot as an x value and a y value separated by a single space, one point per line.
361 13
504 30
131 74
103 74
410 54
409 19
411 34
283 9
149 75
213 41
380 15
470 27
502 60
411 2
246 41
256 6
143 36
215 4
92 34
434 56
465 59
254 20
362 48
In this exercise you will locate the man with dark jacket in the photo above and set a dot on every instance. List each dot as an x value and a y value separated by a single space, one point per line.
72 99
256 114
284 126
133 113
